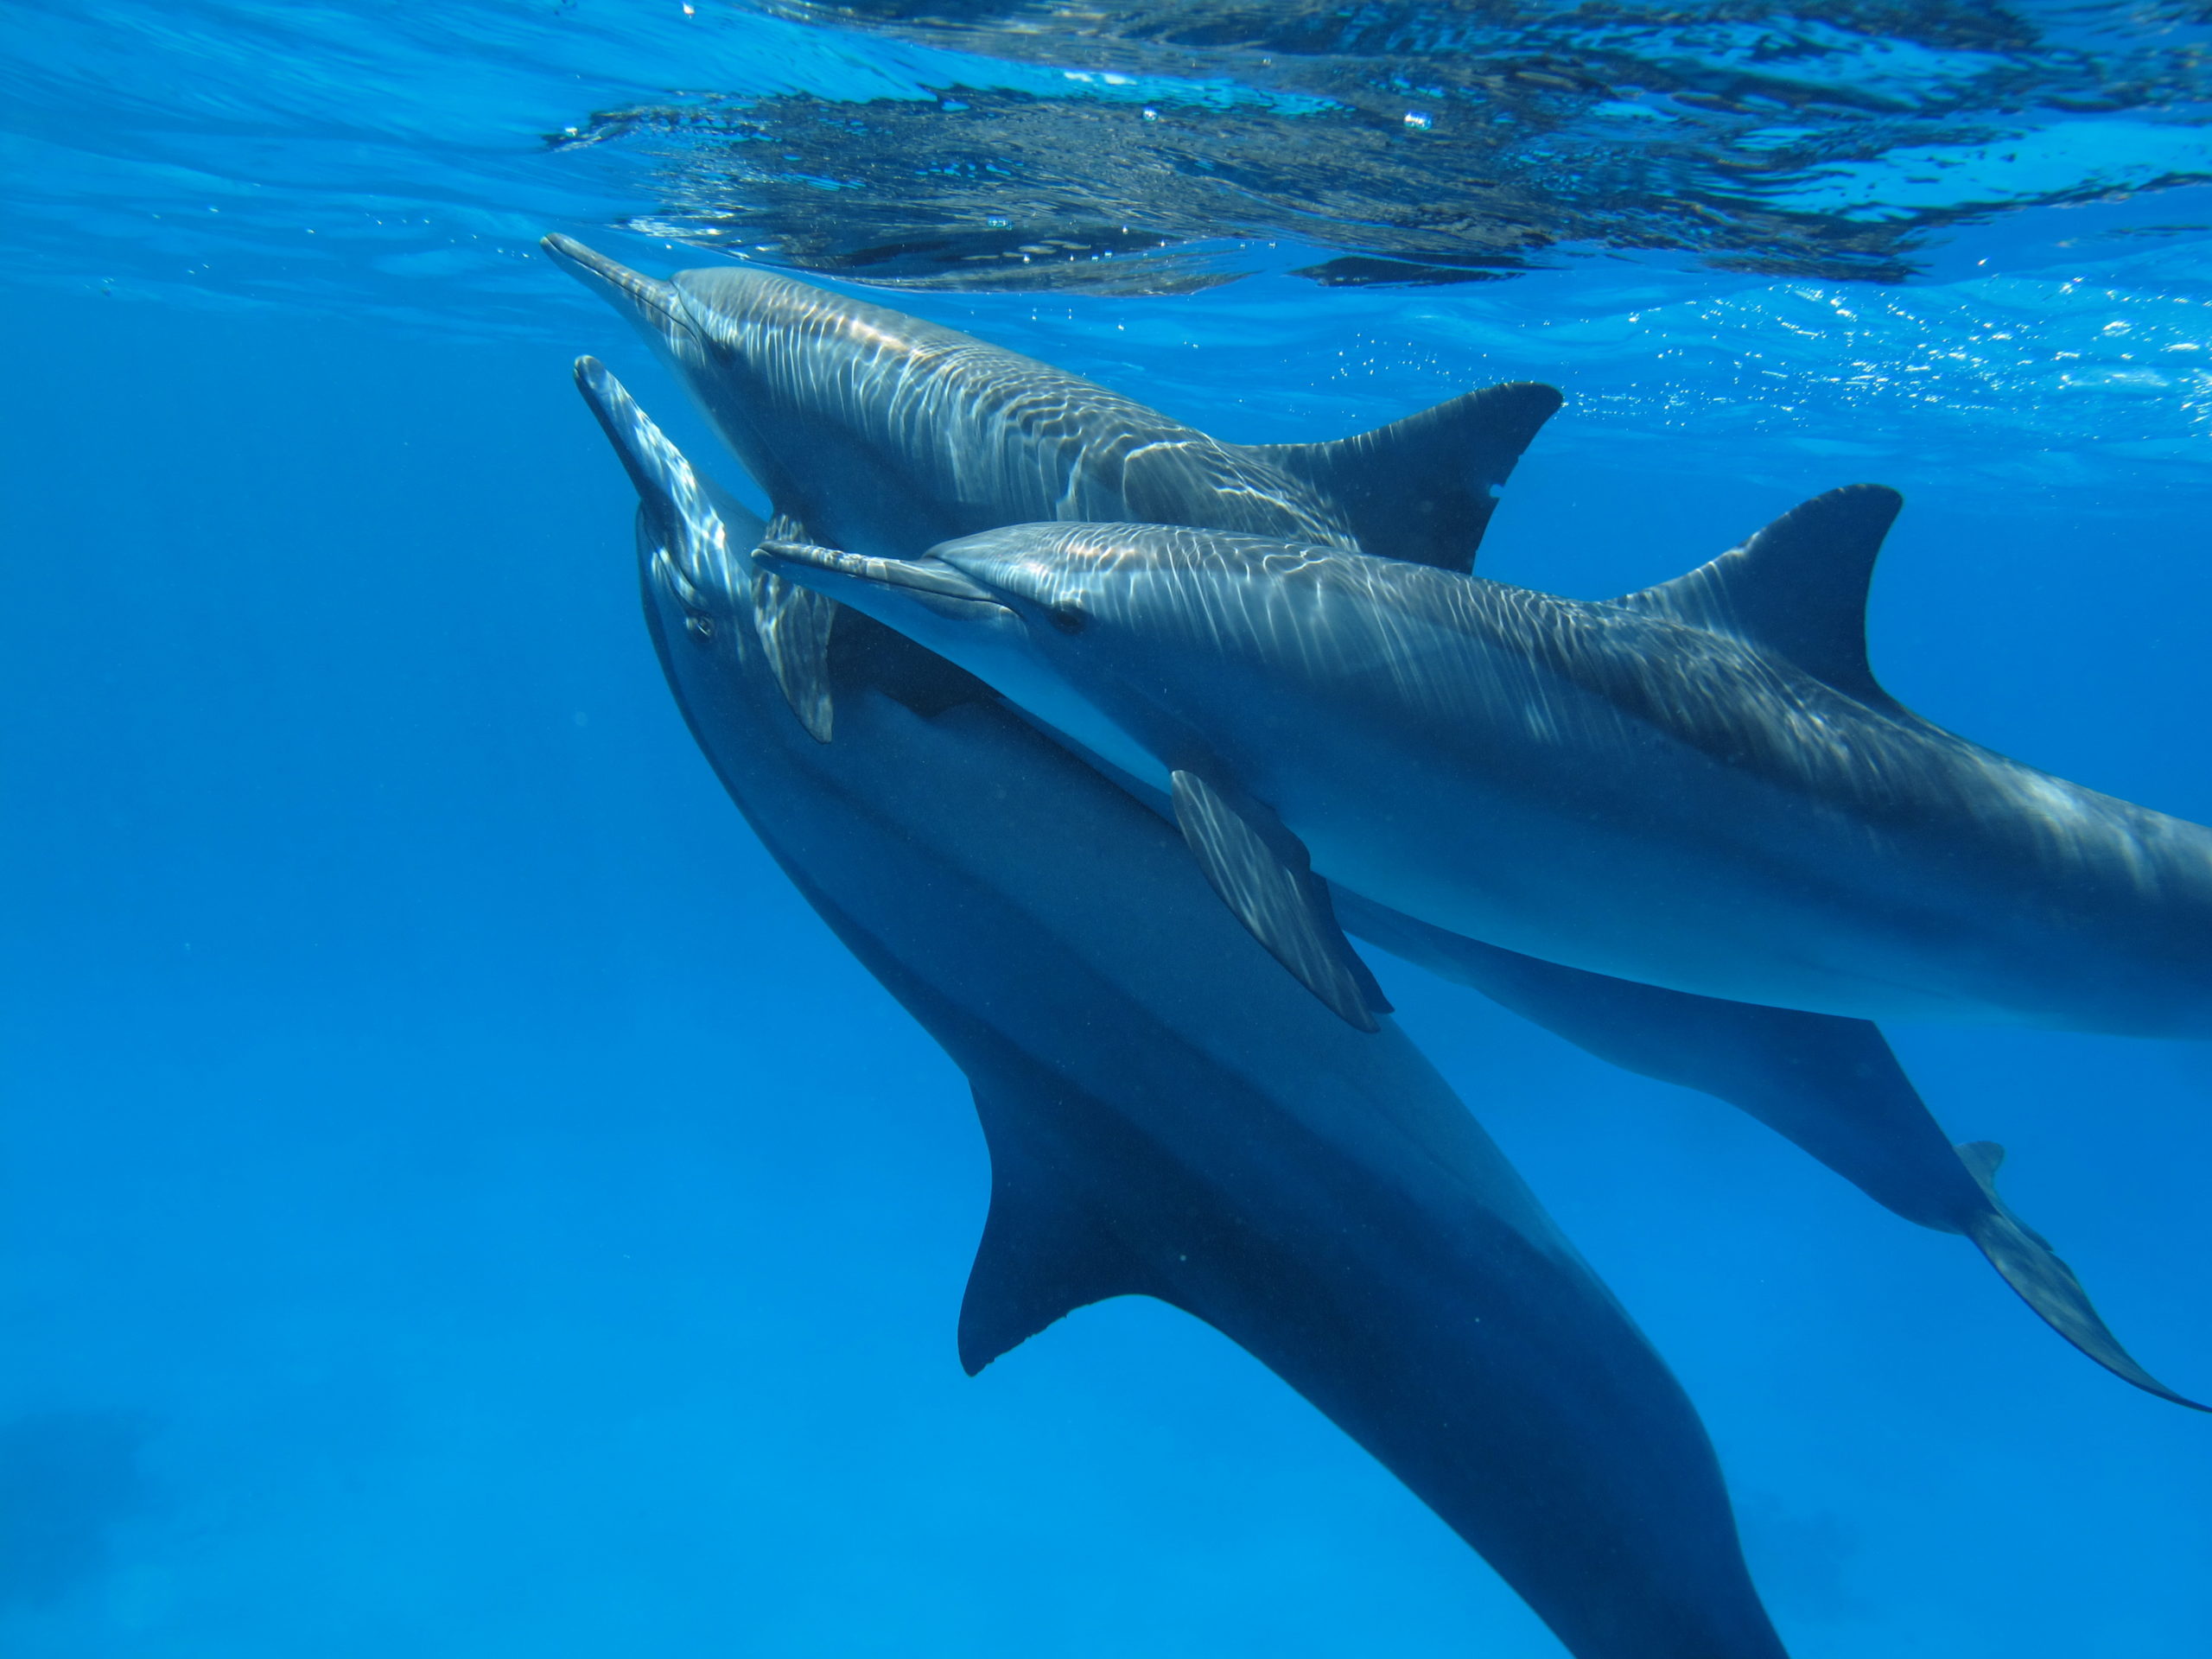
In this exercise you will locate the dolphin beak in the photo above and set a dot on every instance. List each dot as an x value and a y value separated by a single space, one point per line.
653 305
932 581
694 536
649 458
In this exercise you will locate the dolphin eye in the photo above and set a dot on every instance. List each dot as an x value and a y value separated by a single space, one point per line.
702 626
1068 619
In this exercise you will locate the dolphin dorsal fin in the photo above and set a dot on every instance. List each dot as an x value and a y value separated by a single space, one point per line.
1798 588
1420 488
1043 1253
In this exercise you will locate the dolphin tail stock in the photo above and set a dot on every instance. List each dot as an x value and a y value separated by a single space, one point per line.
2043 1280
1263 874
1420 488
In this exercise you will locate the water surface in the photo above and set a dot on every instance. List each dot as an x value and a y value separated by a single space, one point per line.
458 1200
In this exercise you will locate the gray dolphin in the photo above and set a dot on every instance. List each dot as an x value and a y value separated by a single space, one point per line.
1700 787
871 428
1168 1115
810 380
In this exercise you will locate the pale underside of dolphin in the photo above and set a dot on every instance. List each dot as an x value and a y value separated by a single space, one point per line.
778 364
1169 1116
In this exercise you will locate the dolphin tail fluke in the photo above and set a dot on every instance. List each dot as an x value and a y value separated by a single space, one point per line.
2045 1282
1420 488
1262 872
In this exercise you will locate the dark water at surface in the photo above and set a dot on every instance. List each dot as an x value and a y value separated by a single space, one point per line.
455 1198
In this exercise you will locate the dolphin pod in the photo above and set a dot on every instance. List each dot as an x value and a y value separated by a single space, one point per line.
1168 1114
882 433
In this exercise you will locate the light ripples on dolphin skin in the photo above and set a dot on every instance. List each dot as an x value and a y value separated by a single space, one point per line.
914 388
1454 651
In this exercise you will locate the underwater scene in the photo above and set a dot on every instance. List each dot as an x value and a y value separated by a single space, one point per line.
975 828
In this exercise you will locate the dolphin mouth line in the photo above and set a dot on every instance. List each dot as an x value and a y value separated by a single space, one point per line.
926 579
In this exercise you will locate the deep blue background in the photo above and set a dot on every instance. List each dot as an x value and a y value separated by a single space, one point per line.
458 1201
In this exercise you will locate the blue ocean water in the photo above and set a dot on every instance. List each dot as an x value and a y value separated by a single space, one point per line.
455 1196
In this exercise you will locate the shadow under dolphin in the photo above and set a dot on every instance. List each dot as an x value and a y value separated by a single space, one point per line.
1169 1116
866 424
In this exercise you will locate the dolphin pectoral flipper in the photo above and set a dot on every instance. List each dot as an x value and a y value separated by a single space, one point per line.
1420 488
1262 873
2045 1282
1798 588
793 624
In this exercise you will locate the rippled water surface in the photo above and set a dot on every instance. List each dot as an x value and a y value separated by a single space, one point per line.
456 1200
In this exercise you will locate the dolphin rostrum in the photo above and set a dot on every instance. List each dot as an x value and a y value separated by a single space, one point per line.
1168 1115
808 380
1700 787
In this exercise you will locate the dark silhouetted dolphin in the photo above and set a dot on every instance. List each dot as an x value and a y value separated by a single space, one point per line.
843 403
1169 1116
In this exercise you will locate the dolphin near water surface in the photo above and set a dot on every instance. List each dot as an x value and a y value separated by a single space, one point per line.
1168 1114
886 432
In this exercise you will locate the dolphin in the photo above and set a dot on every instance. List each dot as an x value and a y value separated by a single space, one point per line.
841 404
869 429
1168 1115
1700 786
